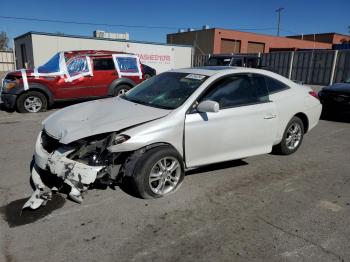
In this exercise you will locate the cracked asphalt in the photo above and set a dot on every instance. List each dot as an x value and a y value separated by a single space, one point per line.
263 208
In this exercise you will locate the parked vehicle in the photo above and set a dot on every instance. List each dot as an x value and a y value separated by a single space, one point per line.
84 74
148 71
172 122
336 98
252 61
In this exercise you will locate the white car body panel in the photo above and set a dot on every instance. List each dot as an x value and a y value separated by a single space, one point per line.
98 117
200 138
229 134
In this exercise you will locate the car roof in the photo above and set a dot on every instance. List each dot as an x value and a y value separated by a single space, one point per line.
213 70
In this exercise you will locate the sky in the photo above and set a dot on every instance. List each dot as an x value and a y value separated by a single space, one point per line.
298 16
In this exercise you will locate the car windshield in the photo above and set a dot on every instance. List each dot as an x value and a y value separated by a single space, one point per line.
218 61
168 90
347 81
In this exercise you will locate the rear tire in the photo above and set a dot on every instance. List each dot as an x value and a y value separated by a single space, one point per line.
147 76
292 137
155 173
31 102
121 90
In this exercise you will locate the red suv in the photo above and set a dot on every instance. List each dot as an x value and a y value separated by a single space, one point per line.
84 74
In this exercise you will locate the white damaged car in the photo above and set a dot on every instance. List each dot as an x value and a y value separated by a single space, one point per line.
172 122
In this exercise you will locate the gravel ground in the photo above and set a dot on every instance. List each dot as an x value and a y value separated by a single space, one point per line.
264 208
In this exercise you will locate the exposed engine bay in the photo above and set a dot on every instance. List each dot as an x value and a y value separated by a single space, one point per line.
76 167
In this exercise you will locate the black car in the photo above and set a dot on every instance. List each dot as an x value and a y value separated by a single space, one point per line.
336 98
253 61
148 71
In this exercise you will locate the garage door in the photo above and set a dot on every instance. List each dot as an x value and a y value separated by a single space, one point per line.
254 47
230 46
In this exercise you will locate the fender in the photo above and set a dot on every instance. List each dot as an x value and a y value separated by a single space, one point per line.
120 81
40 87
129 165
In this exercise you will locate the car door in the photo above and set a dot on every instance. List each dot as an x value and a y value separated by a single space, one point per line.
104 74
244 126
79 82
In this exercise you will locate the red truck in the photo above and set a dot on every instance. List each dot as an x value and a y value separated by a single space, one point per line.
83 75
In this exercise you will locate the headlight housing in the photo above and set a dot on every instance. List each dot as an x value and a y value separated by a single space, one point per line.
9 84
121 138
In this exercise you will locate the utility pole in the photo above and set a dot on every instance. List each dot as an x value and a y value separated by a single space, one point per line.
279 20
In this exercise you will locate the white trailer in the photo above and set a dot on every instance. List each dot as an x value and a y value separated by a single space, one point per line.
35 48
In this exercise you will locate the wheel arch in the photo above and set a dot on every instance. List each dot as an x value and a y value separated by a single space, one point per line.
135 154
39 88
119 81
303 117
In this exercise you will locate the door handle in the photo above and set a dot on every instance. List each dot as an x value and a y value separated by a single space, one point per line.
270 116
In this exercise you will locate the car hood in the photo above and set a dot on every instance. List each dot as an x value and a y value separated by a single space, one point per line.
338 87
97 117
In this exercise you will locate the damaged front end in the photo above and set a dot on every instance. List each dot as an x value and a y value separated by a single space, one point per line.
74 168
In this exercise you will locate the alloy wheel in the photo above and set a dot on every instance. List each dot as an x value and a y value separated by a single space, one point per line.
33 104
293 136
165 175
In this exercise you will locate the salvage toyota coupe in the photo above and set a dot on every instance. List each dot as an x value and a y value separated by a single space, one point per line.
173 122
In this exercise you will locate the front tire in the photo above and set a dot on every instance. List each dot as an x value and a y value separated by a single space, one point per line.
157 172
292 137
31 102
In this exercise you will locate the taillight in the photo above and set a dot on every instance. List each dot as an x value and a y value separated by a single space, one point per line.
314 94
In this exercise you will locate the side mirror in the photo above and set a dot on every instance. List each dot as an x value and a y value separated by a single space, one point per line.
208 106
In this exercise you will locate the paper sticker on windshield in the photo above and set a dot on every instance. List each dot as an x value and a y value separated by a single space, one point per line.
196 77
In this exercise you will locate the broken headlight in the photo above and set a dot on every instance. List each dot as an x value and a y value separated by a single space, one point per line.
120 139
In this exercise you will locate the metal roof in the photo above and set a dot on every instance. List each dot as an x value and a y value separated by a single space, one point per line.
96 38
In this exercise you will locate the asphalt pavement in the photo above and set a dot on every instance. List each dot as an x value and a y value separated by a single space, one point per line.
263 208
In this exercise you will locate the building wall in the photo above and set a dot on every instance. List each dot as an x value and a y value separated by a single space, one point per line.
21 61
202 40
230 41
42 47
269 42
331 38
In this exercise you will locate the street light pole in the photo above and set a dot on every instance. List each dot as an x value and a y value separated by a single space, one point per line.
279 20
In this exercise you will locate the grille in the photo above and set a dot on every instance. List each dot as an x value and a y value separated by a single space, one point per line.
49 143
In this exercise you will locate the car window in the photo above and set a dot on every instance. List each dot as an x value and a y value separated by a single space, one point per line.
238 90
237 62
103 64
274 85
218 61
77 65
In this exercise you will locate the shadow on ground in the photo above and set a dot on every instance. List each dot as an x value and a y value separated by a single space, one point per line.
216 167
14 215
336 117
129 188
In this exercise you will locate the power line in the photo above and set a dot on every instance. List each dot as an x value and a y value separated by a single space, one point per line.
85 23
115 25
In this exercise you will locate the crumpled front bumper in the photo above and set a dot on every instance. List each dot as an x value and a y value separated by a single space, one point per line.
76 174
